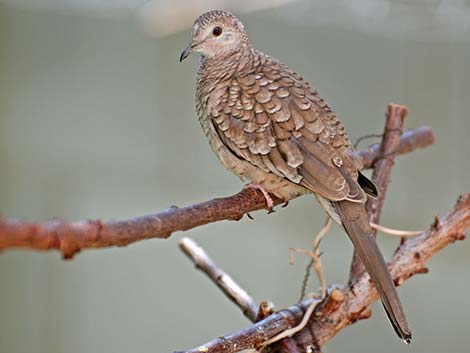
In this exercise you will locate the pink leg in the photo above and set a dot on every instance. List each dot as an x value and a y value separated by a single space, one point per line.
269 200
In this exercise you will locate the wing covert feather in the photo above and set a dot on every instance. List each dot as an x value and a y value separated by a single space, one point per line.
272 118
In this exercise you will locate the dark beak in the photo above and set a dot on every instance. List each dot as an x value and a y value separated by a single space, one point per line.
188 50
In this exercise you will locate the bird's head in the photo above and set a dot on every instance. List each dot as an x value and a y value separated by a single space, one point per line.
216 34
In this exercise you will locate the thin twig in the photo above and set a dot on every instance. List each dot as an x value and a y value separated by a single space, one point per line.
228 286
70 238
409 141
308 271
315 260
365 137
395 232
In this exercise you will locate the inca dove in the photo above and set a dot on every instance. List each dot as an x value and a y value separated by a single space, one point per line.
266 124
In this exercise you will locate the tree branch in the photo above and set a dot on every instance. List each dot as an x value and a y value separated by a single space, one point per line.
231 289
223 280
343 308
70 238
409 141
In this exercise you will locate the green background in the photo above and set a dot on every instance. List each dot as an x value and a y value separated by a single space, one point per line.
97 120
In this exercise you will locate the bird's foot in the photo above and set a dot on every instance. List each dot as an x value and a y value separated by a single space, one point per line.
268 198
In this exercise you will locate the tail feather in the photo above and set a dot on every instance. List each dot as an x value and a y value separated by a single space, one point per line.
356 223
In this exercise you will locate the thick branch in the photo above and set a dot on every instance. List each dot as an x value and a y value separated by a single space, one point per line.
70 238
341 310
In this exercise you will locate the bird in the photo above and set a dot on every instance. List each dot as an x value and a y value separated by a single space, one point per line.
267 124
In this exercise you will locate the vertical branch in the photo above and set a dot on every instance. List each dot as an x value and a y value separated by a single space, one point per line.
383 164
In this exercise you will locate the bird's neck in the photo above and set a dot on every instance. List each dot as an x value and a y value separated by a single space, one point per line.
226 66
216 74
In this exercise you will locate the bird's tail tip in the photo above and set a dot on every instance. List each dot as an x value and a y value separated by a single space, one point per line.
407 338
403 332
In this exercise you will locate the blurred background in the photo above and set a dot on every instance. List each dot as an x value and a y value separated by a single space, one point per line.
92 97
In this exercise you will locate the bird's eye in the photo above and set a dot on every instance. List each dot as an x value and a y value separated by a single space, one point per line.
217 31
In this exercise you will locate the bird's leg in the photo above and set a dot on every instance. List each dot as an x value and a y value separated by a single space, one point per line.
317 265
395 232
269 200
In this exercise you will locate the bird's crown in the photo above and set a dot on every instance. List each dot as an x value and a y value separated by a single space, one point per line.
216 16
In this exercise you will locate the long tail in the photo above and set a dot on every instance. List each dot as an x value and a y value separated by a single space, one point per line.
355 221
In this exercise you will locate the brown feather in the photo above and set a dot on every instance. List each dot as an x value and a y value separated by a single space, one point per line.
356 223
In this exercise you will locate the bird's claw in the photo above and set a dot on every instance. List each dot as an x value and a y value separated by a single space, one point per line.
267 197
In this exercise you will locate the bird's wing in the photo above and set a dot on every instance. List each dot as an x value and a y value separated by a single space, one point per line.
276 121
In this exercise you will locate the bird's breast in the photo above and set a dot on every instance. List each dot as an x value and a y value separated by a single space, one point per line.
280 187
